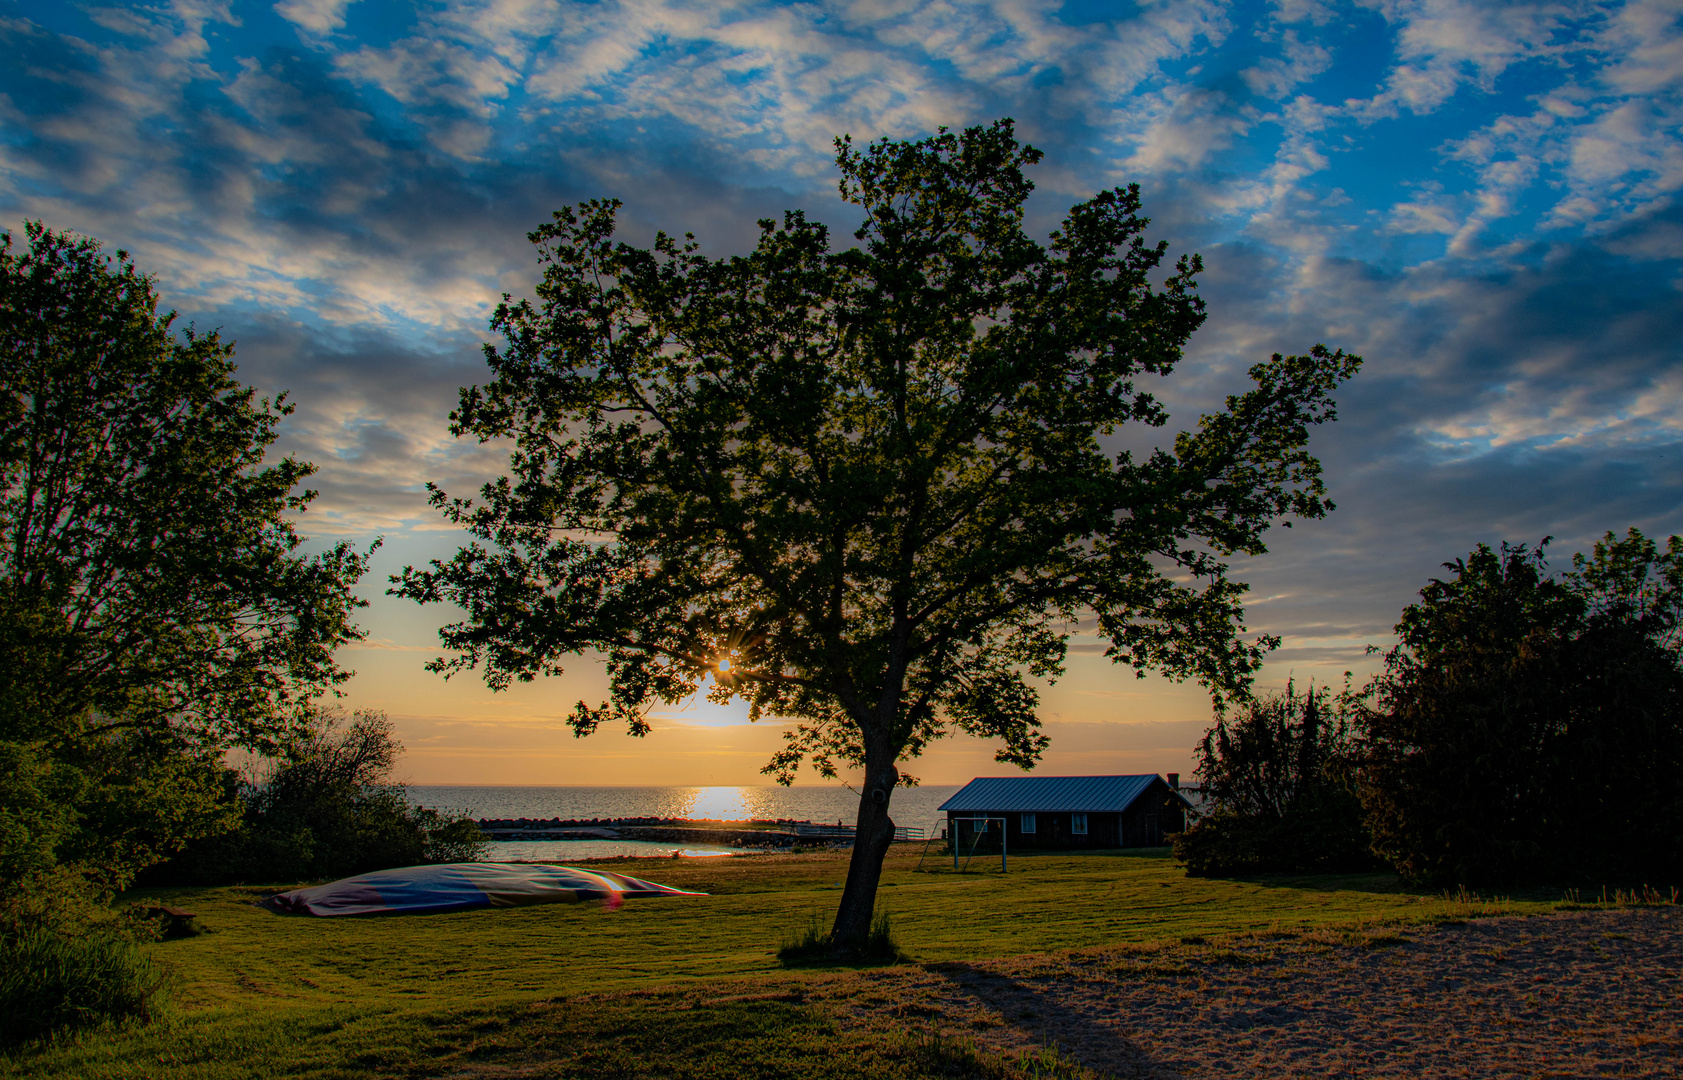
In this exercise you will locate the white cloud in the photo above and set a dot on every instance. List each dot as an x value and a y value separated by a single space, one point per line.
1644 41
1442 45
785 79
1277 77
315 16
1190 125
1426 213
1610 140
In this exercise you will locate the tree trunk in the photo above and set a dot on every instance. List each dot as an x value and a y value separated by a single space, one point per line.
874 831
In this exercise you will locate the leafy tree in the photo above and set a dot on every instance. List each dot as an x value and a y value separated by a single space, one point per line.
865 488
154 606
1277 774
1531 726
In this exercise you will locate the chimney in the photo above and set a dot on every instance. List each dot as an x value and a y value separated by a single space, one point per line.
1174 780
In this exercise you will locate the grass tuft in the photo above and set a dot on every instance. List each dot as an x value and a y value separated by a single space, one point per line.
51 984
813 944
1384 941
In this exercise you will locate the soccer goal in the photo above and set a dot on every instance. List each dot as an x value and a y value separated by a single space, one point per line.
978 836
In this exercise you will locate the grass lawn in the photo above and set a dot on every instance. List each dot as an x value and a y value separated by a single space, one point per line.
662 987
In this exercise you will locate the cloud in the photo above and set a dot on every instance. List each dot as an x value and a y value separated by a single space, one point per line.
1494 405
1443 45
315 16
1277 77
1490 218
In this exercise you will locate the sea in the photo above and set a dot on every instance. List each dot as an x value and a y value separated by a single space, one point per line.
914 807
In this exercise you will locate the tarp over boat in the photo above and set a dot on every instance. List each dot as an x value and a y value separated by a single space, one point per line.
416 890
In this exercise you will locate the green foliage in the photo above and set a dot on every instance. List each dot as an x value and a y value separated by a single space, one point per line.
1316 839
50 982
1280 777
154 606
933 1053
328 809
149 573
37 816
864 488
1531 727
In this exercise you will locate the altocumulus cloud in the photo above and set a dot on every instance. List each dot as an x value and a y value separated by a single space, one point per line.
1481 199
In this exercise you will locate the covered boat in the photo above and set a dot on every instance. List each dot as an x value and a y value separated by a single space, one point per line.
416 890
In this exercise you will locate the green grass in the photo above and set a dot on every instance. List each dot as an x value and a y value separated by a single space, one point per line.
645 990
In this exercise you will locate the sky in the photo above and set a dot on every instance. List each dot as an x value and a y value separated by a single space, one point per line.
1481 199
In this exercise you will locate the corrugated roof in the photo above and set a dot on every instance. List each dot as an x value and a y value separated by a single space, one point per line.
1096 794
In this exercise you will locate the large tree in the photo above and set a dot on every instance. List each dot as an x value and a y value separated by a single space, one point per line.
864 489
1530 725
155 606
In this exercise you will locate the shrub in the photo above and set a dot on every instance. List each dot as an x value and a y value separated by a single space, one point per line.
1279 776
327 809
1307 839
50 982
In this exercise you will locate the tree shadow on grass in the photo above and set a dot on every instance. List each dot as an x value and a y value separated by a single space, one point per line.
1045 1018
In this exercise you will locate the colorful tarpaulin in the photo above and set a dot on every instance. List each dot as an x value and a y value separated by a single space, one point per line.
415 890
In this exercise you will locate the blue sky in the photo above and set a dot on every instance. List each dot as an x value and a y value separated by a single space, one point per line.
1479 198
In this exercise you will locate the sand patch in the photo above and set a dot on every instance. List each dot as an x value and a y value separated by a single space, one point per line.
1577 994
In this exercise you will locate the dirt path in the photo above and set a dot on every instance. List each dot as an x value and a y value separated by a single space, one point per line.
1578 994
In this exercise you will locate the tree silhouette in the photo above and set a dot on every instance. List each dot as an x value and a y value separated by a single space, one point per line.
864 488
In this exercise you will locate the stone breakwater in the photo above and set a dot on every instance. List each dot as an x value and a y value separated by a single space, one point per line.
754 834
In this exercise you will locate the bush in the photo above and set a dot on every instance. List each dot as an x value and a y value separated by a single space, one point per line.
1311 840
1279 776
66 843
326 810
51 983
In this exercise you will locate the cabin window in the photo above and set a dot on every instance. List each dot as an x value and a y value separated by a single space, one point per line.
1078 824
1028 823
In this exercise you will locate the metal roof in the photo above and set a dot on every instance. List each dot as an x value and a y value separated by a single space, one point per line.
1096 794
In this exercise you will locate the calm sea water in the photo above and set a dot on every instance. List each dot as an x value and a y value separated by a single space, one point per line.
575 850
911 806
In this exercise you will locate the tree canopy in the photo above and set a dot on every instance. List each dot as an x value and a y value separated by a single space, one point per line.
864 487
155 607
1530 725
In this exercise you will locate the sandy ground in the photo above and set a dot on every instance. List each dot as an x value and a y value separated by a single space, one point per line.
1575 994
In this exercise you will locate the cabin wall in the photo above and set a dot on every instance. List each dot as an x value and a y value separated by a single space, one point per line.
1053 830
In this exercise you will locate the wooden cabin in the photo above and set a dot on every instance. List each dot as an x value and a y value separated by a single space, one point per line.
1067 812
